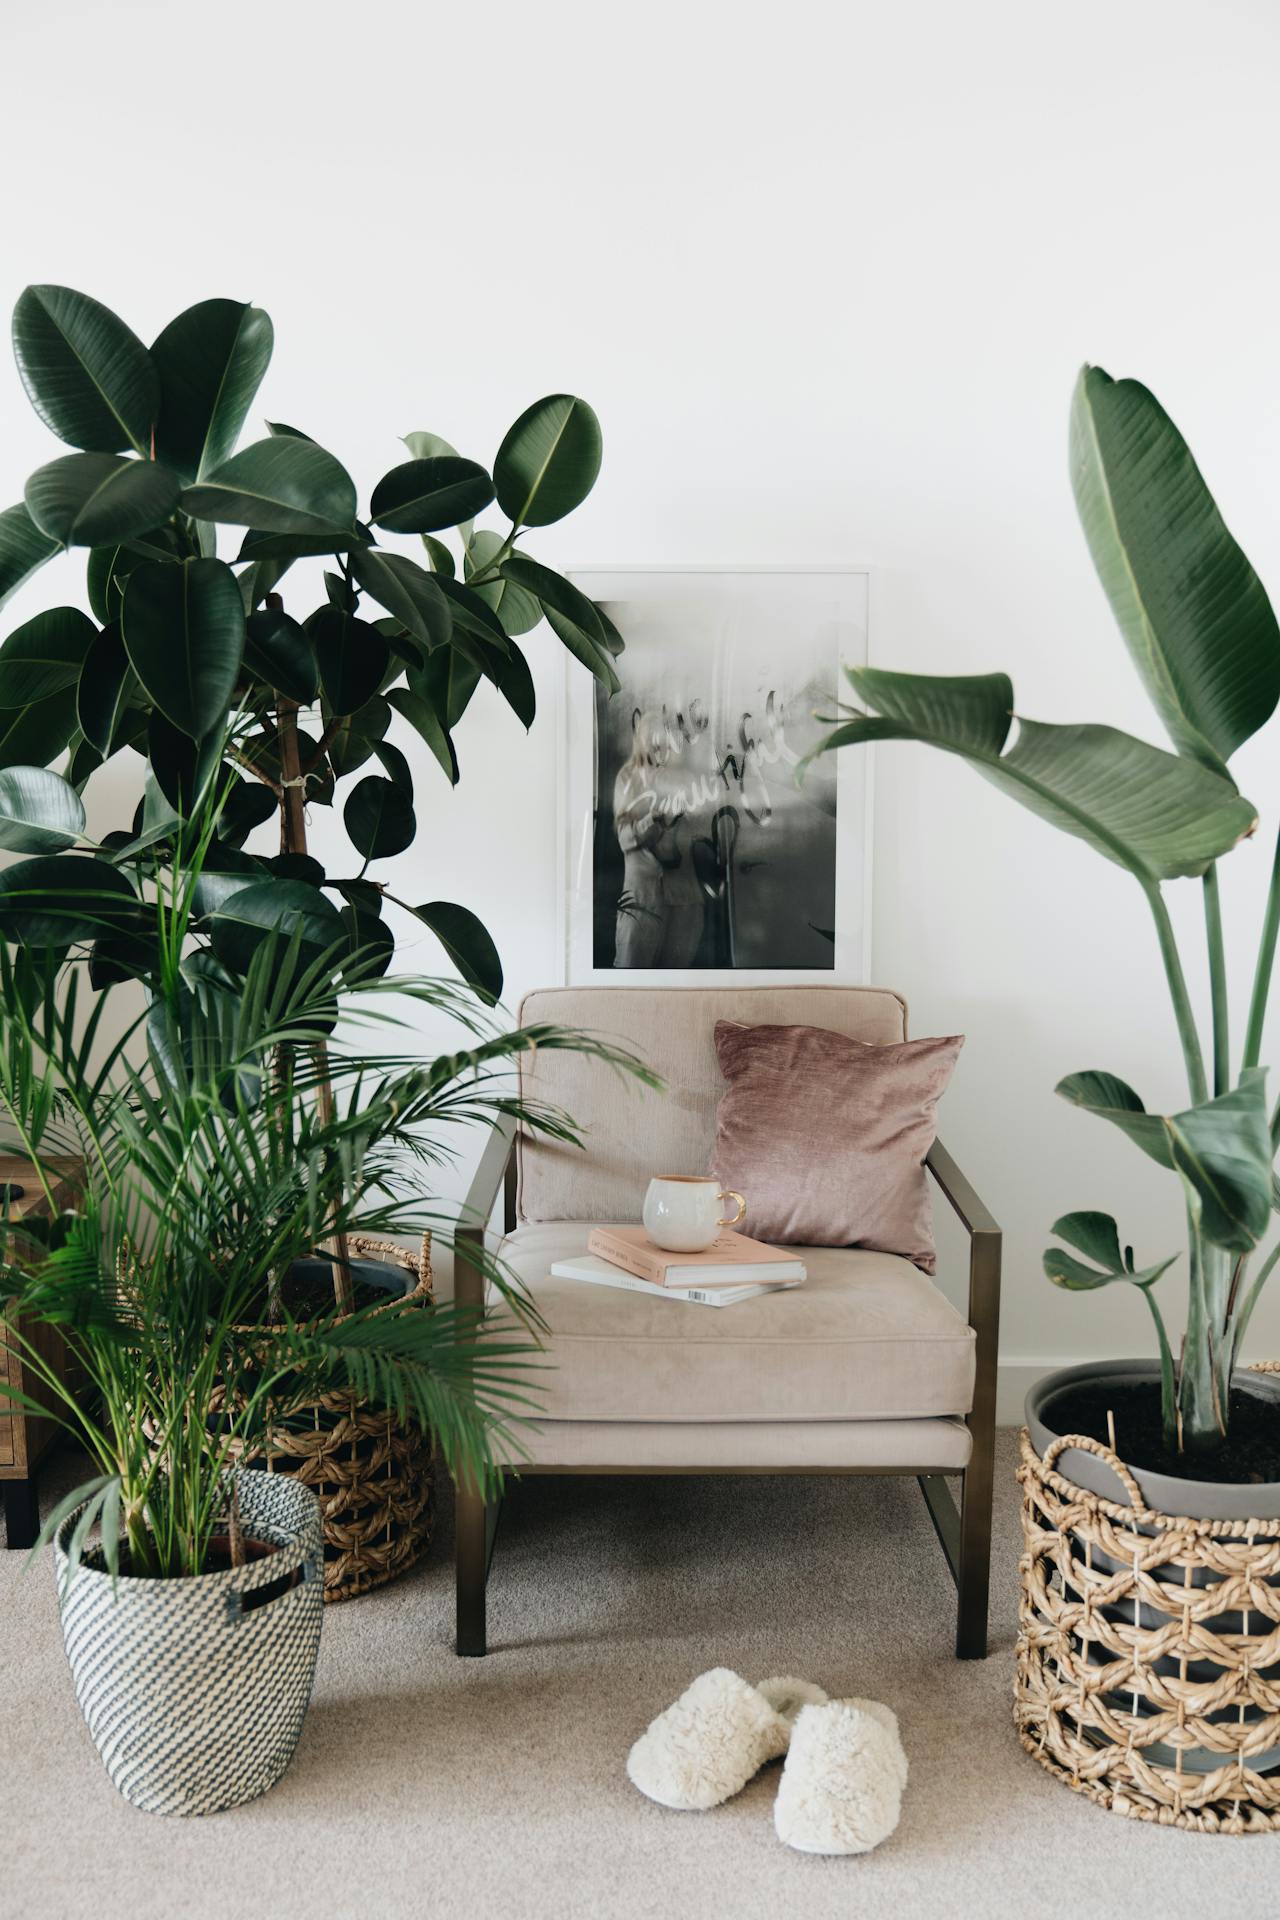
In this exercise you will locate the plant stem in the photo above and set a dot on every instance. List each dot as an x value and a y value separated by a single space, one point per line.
1217 980
1262 973
293 839
1168 1378
1187 1033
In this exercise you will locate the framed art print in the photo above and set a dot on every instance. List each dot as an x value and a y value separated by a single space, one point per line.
692 847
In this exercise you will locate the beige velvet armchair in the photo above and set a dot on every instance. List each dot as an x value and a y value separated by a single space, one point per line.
868 1368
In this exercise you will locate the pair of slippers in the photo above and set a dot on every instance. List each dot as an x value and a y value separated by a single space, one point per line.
845 1770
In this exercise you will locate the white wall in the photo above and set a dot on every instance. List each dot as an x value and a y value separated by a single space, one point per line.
827 274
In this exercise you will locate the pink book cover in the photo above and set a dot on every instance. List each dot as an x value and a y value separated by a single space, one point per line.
632 1249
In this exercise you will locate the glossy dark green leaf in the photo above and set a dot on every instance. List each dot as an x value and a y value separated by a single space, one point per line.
224 870
1222 1149
281 485
284 908
570 615
23 549
83 761
613 640
351 655
439 555
33 736
210 360
422 716
467 942
370 937
1097 1236
516 610
105 588
356 735
58 900
510 674
184 632
1150 812
183 767
297 866
378 818
277 650
282 430
249 804
39 811
548 462
104 687
44 656
428 446
258 580
87 375
1194 614
426 496
131 954
447 681
473 615
100 499
407 591
297 546
395 766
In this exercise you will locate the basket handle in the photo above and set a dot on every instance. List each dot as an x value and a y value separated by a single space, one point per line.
1104 1454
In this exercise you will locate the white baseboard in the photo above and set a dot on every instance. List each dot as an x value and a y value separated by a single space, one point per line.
1014 1379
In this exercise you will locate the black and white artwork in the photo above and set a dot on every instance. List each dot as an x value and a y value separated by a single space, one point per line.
698 844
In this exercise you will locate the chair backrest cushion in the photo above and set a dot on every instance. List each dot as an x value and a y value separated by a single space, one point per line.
632 1133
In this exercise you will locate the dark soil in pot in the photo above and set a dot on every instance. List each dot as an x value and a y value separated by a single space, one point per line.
217 1558
1250 1454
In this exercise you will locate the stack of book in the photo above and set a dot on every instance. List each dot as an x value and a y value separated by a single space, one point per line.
732 1268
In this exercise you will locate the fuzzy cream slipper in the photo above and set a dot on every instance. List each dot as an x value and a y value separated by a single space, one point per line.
841 1788
716 1737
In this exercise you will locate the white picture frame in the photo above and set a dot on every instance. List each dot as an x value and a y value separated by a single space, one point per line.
812 841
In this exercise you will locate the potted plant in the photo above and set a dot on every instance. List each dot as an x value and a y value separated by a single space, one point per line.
1143 1623
211 1150
233 704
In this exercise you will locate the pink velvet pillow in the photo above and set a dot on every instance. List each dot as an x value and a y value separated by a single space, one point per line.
826 1136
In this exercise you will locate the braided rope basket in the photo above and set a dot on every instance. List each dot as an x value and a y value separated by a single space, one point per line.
1148 1661
371 1472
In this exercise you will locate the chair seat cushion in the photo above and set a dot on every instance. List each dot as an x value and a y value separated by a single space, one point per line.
867 1337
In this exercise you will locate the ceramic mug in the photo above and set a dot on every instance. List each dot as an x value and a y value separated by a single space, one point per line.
682 1211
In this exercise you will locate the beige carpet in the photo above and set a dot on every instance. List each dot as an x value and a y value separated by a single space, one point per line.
430 1786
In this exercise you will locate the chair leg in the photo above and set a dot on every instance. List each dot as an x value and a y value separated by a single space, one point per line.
21 1512
471 1569
973 1575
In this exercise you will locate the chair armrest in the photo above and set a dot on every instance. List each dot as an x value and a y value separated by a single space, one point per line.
985 1241
973 1214
495 1173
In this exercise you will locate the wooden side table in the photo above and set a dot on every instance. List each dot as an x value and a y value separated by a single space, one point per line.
25 1437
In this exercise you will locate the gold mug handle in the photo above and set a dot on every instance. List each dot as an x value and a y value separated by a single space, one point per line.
729 1194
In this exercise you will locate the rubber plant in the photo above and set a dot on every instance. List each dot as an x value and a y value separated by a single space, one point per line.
1201 632
192 662
183 640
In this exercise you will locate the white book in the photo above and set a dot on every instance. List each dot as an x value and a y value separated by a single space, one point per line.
602 1273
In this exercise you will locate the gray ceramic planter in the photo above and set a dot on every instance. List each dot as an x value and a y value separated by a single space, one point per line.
1167 1493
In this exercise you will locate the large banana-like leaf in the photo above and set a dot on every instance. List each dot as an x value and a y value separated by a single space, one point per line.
1097 1236
1151 812
1222 1148
1193 612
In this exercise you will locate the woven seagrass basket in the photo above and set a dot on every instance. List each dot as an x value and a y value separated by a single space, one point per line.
1148 1663
371 1472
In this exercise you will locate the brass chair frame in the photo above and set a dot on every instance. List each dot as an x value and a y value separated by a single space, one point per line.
964 1534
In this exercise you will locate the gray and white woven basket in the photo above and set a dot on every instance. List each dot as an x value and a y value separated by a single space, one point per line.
195 1689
